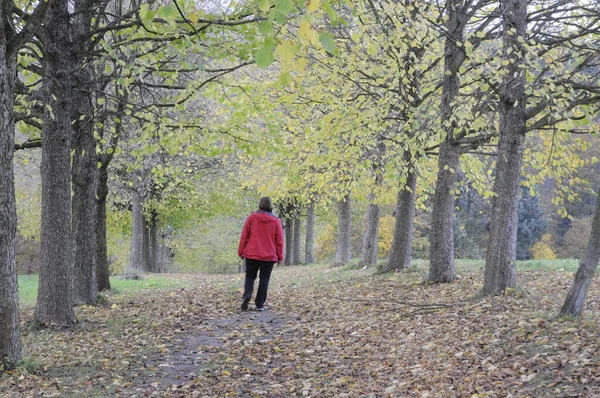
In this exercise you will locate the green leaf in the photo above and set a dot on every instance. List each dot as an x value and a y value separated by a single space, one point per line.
270 42
167 12
146 14
281 17
264 57
284 79
265 27
283 6
328 43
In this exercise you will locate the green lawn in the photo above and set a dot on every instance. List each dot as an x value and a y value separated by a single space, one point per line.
28 285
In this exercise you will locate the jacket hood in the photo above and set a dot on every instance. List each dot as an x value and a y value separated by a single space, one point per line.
265 216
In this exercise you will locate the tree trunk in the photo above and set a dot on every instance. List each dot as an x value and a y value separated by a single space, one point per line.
310 234
289 240
441 255
154 247
297 240
342 252
85 170
166 257
403 229
55 293
136 256
146 249
500 261
441 237
369 249
10 334
575 300
85 286
102 271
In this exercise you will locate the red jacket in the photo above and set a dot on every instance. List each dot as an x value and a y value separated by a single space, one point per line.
262 237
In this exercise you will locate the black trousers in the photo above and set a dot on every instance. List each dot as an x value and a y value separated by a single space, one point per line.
252 269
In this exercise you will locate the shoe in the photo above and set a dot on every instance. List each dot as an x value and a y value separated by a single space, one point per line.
260 308
245 302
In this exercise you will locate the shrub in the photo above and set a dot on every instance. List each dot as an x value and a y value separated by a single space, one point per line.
325 243
208 246
386 235
542 249
532 223
576 239
464 245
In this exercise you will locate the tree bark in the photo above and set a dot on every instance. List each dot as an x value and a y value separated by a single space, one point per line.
136 256
154 246
369 249
575 299
343 247
102 271
10 333
85 170
441 255
297 240
441 238
146 249
289 240
85 286
310 234
500 261
403 229
55 293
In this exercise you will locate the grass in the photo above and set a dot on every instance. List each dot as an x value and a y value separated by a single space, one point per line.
569 264
28 286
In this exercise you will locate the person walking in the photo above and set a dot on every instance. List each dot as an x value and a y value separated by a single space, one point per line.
261 246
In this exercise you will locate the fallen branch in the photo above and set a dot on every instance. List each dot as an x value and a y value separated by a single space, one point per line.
403 303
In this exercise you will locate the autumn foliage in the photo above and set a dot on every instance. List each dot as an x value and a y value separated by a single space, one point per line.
362 335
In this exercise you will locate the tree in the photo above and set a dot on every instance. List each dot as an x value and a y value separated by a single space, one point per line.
342 252
400 253
309 253
377 87
55 300
368 252
297 240
11 41
458 15
575 299
84 170
136 264
370 243
500 269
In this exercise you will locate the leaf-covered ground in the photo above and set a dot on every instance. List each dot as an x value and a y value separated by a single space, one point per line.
327 332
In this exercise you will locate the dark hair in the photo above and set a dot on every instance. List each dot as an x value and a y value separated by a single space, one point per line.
265 204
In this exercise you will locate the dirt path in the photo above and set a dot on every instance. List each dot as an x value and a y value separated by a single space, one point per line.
194 354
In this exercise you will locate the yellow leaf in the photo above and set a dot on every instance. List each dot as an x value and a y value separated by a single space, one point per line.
313 5
286 51
301 64
265 5
307 33
194 17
